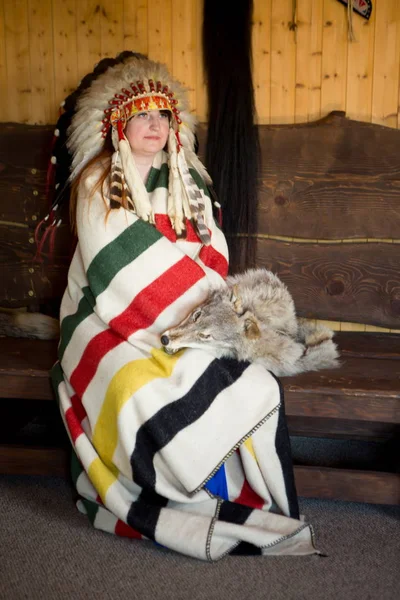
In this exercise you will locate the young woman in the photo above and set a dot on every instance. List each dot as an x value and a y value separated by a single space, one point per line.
187 450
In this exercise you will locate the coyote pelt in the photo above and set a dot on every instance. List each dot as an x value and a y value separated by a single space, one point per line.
253 318
23 324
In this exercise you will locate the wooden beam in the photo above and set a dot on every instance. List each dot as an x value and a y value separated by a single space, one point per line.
347 484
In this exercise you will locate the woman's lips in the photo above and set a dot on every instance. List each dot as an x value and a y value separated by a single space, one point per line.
152 137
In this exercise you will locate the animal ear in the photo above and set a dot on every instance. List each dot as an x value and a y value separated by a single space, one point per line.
235 300
251 329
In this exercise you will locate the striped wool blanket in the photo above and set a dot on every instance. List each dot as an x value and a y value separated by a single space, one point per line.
189 451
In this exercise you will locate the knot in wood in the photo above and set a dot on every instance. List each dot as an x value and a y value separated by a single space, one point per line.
335 287
280 200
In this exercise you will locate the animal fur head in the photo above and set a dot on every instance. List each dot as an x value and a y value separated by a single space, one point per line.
217 325
234 316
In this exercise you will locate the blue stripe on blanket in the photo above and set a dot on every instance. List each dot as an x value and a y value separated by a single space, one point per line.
217 484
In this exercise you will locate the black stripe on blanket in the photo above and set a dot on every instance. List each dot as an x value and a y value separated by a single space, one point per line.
158 431
238 514
143 514
282 446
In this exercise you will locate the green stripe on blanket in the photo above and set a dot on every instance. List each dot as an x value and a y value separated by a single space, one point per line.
111 259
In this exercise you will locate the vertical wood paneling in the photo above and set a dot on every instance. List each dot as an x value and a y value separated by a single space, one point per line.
160 31
135 26
65 48
3 67
283 63
41 61
261 48
201 90
88 38
308 61
47 46
184 46
386 63
360 68
18 89
111 29
334 56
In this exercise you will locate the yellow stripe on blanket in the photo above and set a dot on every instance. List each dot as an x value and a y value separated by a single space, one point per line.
126 382
249 445
102 477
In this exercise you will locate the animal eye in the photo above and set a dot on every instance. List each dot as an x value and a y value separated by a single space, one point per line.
196 315
204 336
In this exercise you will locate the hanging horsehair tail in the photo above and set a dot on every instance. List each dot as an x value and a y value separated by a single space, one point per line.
233 151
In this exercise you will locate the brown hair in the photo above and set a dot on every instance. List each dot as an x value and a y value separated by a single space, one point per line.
101 163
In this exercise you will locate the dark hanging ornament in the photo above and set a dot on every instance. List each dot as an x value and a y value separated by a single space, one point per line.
232 154
362 7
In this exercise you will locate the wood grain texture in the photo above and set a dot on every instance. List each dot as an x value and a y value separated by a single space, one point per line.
261 51
160 31
43 104
314 69
65 48
19 85
308 60
354 282
4 115
24 155
88 38
283 64
111 27
184 46
347 484
135 24
22 460
326 180
360 69
334 57
341 429
386 68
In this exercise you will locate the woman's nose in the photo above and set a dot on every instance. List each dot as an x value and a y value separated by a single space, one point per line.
154 122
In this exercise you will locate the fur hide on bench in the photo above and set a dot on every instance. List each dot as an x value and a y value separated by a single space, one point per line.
329 214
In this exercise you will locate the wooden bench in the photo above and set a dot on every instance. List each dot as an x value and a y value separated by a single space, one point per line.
328 216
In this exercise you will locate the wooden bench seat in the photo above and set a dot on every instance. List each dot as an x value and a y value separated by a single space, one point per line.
361 400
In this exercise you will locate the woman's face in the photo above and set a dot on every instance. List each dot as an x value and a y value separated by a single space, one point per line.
147 132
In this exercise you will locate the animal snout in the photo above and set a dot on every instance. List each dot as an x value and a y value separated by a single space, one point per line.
164 340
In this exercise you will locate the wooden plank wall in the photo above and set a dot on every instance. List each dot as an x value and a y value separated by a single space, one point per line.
47 46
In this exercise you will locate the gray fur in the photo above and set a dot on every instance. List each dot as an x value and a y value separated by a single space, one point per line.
253 318
22 324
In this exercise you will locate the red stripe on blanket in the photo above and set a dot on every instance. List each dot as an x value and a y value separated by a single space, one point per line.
163 224
156 297
214 260
248 497
78 408
140 314
97 348
74 426
123 530
208 254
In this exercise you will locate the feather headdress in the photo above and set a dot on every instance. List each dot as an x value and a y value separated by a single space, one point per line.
101 107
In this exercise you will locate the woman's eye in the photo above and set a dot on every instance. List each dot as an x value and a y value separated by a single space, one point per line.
164 115
142 115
